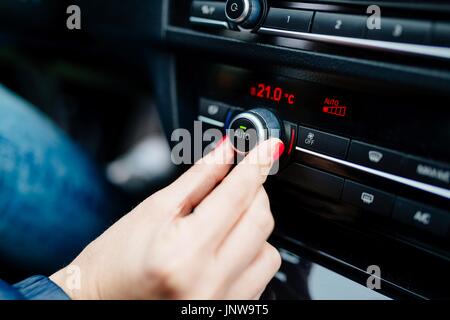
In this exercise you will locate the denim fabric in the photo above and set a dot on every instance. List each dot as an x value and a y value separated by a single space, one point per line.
7 292
40 288
53 200
33 288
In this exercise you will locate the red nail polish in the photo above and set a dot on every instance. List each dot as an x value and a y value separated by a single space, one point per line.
221 142
279 149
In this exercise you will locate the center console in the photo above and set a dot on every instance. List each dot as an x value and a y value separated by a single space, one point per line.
364 115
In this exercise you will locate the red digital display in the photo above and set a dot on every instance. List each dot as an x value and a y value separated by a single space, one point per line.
273 93
334 107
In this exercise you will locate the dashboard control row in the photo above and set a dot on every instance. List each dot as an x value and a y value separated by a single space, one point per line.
428 176
431 176
410 35
379 159
414 214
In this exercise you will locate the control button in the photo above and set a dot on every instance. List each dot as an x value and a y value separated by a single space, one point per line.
321 142
213 110
375 157
250 128
401 30
313 180
427 171
344 25
441 34
368 198
209 10
294 20
245 13
421 216
245 134
237 10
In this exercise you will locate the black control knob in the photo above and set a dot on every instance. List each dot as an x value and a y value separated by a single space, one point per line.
245 13
249 128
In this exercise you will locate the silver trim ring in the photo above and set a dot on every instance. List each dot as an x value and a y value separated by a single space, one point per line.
244 14
260 130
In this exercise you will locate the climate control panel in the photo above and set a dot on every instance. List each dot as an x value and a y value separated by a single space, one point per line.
343 147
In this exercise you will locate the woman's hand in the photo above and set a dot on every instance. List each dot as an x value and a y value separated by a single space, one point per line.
202 237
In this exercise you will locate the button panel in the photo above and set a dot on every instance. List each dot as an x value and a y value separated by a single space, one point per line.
314 180
368 198
237 10
421 216
441 34
295 20
401 30
322 142
388 164
208 10
213 110
396 34
427 171
375 157
344 25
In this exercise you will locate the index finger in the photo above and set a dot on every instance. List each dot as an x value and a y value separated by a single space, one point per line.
189 190
223 207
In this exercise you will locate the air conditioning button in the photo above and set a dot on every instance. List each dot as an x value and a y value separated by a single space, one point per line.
421 216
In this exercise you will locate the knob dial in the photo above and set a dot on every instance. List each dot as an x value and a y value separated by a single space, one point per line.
244 13
249 128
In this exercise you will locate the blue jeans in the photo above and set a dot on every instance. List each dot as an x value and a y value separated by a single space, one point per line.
53 200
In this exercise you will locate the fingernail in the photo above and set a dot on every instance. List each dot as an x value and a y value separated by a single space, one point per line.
279 149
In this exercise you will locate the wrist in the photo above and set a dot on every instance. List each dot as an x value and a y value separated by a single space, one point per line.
70 280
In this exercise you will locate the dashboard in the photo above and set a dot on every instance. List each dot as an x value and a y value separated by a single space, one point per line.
364 116
360 91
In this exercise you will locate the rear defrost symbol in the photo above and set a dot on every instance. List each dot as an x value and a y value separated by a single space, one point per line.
367 198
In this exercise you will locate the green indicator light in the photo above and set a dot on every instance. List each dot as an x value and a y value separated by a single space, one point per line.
243 128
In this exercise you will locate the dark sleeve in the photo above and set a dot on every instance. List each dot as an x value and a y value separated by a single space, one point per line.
34 288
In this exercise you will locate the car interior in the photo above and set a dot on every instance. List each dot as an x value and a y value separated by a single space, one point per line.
359 89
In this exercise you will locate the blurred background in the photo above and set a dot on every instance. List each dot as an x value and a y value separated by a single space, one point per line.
95 84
